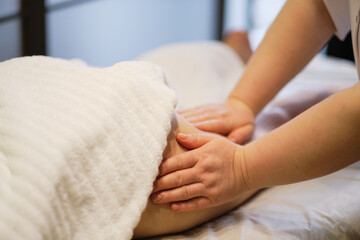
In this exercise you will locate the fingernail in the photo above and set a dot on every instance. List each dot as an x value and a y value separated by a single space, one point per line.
233 139
157 197
175 207
182 136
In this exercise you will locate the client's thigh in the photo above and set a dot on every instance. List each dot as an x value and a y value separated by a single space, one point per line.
159 219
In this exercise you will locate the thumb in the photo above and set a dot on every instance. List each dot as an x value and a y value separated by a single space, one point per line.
192 141
242 134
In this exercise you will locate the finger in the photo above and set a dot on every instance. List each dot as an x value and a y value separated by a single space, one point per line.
192 141
193 112
197 110
178 162
241 135
213 125
190 109
191 205
184 110
203 117
182 193
176 179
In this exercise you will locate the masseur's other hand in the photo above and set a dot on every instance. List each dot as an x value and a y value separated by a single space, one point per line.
232 118
207 176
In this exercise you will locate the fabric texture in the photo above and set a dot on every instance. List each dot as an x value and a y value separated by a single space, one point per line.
79 146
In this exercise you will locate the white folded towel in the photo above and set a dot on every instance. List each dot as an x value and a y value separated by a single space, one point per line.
79 146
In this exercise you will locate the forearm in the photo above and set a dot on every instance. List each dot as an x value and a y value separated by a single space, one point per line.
239 42
323 139
300 31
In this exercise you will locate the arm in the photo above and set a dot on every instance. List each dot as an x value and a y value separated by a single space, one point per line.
239 42
322 140
300 30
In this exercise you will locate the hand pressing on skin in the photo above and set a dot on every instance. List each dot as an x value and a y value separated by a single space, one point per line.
232 118
211 174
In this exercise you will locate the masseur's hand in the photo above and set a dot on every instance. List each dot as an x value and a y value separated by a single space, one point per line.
209 175
232 118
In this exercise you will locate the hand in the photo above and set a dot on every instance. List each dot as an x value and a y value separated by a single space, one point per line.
233 118
205 177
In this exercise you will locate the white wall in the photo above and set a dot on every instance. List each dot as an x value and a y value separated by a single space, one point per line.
104 32
255 16
236 15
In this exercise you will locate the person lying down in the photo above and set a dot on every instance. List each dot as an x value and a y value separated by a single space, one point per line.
80 149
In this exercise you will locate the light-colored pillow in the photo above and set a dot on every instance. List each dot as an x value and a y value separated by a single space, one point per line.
199 72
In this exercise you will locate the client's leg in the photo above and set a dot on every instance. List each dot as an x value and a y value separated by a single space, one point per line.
159 219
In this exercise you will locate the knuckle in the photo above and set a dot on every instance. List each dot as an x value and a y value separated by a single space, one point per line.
196 204
209 180
178 179
203 155
198 176
194 138
203 190
179 162
201 176
185 192
214 192
207 184
213 199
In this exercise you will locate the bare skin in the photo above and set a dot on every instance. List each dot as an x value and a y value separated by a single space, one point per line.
239 42
321 140
298 33
159 219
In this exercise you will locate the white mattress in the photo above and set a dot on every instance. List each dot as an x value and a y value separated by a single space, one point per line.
323 208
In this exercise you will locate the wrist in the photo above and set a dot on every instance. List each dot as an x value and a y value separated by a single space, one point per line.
247 97
239 103
243 179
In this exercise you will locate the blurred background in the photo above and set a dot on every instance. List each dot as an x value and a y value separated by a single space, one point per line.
103 32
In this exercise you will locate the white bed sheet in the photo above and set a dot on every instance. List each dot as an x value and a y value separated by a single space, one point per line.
323 208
